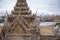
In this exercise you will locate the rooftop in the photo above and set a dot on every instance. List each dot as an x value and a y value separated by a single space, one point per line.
47 23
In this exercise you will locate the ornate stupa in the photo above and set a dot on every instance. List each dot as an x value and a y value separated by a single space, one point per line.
19 24
21 8
22 25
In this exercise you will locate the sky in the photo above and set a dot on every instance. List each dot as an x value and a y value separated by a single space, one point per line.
42 7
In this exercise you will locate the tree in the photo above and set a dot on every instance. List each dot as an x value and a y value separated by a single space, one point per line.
57 24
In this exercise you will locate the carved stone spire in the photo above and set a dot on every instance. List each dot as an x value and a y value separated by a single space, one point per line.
21 8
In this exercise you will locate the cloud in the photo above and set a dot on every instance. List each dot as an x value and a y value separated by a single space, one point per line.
7 4
45 5
52 6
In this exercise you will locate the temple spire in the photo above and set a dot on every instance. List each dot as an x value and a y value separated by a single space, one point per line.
21 8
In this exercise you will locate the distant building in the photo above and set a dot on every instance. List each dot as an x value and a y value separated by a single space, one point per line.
47 31
50 18
46 28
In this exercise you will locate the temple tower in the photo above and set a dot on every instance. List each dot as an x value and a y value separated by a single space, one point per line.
19 28
21 8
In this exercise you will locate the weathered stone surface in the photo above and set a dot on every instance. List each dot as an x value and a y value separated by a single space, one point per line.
48 37
20 28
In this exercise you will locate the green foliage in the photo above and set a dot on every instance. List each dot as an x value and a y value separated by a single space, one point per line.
1 20
58 24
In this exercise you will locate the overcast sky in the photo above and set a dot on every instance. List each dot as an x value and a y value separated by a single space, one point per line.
43 6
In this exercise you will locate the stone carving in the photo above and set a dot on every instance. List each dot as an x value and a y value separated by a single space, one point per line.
18 27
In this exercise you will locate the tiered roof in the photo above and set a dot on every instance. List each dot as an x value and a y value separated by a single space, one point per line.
21 7
23 17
